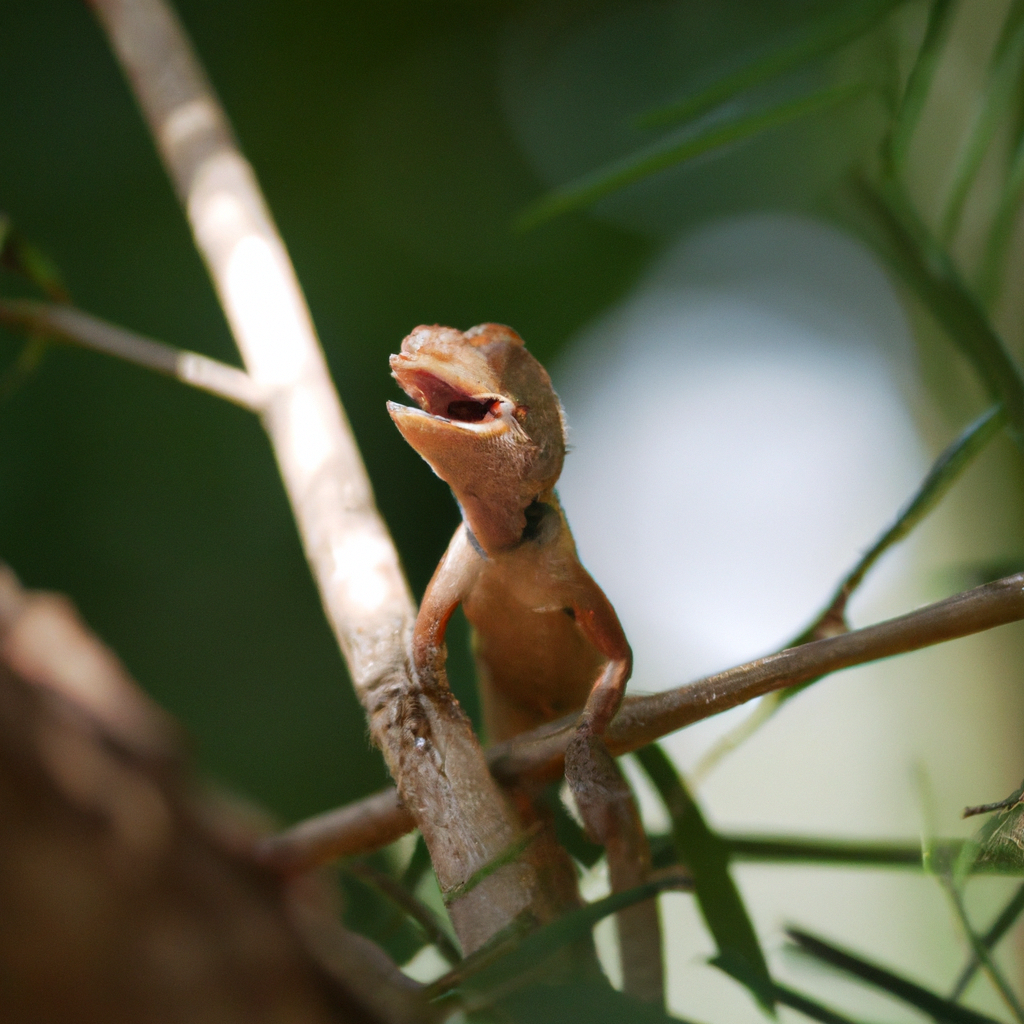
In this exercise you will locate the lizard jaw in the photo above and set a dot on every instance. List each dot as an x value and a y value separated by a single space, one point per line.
449 405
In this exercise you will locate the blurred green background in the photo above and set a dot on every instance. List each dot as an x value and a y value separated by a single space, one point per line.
396 142
377 134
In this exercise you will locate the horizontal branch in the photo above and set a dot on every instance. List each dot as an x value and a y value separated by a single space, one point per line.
643 720
365 825
69 324
537 757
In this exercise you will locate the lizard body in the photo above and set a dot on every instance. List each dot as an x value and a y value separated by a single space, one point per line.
546 639
491 426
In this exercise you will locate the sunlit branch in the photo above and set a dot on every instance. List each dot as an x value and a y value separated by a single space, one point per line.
440 768
70 324
537 757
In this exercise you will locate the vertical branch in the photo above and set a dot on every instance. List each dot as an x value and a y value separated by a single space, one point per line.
427 742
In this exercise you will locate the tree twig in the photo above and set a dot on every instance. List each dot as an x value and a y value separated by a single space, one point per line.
537 756
944 472
70 324
427 741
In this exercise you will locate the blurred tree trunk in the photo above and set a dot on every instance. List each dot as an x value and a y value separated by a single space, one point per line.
124 896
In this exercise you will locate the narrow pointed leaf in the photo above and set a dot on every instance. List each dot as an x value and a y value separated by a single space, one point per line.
809 1007
570 834
817 37
406 902
935 1006
1002 80
706 856
663 155
1002 924
418 866
940 17
591 1002
927 269
511 955
371 913
981 951
808 851
945 471
1003 224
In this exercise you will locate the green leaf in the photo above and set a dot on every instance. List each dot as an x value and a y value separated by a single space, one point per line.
816 37
406 903
419 864
512 953
1003 224
935 1006
945 471
707 857
809 1007
981 951
594 1002
14 376
823 851
370 913
1001 83
20 256
663 155
919 83
917 257
1002 924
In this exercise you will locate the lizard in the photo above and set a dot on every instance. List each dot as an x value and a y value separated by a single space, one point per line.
547 641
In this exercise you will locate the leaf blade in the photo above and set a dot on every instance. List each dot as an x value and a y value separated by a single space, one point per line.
996 96
917 257
661 156
940 18
935 1006
823 36
707 858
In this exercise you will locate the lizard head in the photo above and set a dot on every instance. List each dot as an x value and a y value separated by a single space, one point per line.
489 422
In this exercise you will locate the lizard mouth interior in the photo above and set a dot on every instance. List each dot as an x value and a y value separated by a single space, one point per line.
471 410
439 398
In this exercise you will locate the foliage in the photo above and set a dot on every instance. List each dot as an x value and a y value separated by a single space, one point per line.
802 73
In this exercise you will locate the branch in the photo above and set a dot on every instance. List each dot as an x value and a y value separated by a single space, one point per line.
426 740
70 324
537 756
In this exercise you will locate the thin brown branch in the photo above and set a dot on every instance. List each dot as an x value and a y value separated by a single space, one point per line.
537 756
427 741
70 324
643 720
366 825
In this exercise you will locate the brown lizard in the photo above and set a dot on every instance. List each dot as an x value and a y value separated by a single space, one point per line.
546 639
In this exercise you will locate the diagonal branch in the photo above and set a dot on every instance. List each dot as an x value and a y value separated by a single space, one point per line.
69 324
537 756
426 740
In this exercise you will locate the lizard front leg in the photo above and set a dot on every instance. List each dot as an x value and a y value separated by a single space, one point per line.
453 580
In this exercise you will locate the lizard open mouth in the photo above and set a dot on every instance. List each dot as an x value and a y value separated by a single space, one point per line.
440 398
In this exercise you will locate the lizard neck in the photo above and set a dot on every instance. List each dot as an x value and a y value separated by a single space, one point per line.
498 526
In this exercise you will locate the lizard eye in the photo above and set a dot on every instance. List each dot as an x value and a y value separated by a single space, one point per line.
469 411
